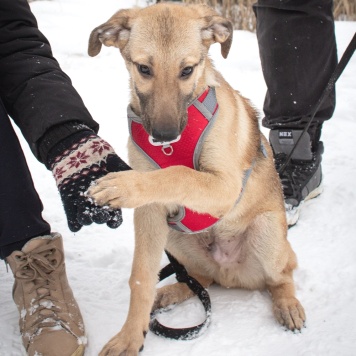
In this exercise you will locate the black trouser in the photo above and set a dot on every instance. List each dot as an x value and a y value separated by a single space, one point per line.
297 46
20 205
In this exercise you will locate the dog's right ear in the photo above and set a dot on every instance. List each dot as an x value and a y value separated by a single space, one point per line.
115 32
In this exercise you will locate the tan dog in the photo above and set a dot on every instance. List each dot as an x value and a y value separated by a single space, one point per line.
165 47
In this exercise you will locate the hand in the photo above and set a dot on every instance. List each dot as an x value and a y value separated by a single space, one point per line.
86 158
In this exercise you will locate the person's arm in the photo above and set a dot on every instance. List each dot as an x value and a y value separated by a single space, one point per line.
36 93
41 100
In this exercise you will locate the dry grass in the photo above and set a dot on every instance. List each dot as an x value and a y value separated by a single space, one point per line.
239 11
345 10
241 14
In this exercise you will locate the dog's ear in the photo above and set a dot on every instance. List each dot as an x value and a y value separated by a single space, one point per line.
218 29
115 32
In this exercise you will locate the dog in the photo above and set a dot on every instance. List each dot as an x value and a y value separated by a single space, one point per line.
244 243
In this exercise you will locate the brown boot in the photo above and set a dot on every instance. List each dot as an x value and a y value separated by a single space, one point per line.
50 320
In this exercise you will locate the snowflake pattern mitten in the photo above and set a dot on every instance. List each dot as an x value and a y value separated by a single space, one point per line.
76 163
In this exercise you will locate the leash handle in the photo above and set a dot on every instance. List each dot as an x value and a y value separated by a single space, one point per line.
183 277
329 87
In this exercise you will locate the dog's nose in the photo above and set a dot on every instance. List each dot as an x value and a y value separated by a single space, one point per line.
165 135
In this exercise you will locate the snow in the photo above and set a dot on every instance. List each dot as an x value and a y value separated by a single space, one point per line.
99 259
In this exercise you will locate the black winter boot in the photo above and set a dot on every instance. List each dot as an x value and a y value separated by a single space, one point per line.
301 178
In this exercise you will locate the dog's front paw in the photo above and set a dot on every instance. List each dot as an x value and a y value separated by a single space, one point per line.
118 190
125 343
290 313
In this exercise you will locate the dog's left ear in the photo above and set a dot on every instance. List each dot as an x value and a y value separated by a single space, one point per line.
218 29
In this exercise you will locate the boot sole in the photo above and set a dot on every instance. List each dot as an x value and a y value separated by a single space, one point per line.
78 352
293 214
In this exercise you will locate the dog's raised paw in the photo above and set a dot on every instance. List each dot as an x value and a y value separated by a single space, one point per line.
118 190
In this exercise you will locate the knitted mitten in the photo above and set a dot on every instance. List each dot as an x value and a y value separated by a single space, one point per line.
76 162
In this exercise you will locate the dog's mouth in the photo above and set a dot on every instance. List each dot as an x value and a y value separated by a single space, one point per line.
164 132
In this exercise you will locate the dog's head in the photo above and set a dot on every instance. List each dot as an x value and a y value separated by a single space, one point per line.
165 48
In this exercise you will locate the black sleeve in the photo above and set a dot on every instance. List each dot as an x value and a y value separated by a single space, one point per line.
36 93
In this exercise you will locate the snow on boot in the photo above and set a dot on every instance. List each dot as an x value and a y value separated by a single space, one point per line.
50 320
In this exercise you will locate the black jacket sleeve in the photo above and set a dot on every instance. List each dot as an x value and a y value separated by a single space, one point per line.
36 93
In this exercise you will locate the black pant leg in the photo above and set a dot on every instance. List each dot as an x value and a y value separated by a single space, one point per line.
297 46
20 205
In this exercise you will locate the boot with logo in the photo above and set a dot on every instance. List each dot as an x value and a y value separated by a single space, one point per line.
50 320
301 178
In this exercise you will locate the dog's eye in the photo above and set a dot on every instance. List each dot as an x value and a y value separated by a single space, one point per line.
186 71
144 69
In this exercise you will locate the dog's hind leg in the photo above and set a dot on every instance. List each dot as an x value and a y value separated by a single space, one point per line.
269 242
177 293
151 231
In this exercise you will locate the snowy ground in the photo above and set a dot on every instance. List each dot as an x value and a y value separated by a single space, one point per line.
99 259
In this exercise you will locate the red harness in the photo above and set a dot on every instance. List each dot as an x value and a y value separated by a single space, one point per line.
183 151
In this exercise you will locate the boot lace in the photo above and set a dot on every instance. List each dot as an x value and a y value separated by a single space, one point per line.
38 267
295 175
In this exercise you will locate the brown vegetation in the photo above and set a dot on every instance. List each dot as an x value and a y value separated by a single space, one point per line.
241 14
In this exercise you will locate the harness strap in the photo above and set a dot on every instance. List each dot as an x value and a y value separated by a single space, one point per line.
182 276
185 151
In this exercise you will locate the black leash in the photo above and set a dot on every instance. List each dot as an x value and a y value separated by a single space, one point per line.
182 277
329 87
